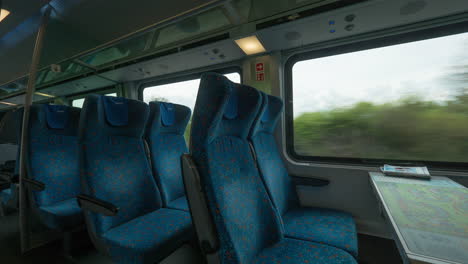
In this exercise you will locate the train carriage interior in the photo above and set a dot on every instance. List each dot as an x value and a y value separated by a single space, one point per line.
234 131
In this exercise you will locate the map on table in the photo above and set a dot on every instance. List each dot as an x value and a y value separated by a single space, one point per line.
432 216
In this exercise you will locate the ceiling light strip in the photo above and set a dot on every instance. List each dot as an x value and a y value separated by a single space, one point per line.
7 103
44 94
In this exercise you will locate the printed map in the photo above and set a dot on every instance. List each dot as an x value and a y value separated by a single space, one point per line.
432 216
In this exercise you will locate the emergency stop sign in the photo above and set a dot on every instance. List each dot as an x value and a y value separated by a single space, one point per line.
259 67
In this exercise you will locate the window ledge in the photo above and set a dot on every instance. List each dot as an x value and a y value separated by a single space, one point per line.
360 167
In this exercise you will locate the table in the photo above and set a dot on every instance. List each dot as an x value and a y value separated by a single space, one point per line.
429 219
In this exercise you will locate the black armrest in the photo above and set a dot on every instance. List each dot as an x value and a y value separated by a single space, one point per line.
99 206
201 218
298 180
34 185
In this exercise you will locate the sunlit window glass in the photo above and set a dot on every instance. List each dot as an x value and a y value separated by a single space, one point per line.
405 102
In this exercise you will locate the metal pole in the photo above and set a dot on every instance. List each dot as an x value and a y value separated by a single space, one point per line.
25 232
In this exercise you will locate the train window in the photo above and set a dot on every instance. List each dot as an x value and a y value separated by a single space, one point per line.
80 101
180 92
405 102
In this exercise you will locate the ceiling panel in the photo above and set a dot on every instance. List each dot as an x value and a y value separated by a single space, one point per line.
216 53
368 17
78 26
110 19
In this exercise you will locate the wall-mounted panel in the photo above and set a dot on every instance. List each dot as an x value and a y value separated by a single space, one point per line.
220 52
361 18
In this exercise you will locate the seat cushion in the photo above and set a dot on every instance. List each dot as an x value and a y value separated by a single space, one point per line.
321 225
179 204
61 215
148 238
300 251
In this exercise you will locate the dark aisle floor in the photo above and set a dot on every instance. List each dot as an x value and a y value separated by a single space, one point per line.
372 250
83 252
376 250
51 253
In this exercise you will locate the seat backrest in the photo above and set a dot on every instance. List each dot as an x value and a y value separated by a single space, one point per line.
113 159
165 137
274 174
52 154
245 219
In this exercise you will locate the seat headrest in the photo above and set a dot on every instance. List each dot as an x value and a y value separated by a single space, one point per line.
223 108
52 119
167 113
268 116
167 118
57 116
116 110
103 116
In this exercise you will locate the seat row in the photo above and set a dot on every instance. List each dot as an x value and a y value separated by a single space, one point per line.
122 159
134 212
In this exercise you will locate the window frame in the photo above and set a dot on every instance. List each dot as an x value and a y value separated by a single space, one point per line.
356 46
182 77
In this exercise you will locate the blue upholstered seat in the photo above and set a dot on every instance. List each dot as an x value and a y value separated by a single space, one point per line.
116 170
292 251
328 226
179 203
248 226
53 160
62 215
165 137
321 225
148 236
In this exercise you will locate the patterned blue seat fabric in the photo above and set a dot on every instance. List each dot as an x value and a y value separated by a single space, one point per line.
53 160
321 225
165 137
115 169
249 228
